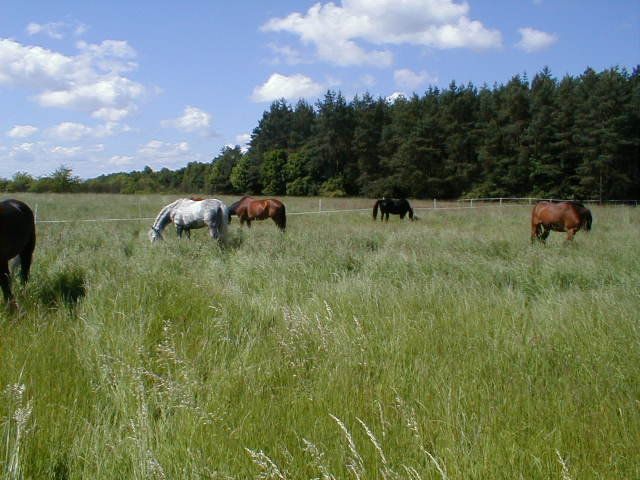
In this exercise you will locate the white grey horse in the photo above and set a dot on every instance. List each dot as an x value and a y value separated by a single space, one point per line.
186 214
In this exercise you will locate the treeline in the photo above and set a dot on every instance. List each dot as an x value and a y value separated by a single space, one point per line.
578 137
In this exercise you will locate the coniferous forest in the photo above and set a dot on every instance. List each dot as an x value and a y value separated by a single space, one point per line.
577 137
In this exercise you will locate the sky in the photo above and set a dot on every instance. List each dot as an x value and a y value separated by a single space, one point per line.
104 87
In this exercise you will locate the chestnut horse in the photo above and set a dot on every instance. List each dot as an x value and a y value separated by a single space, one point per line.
17 238
397 206
248 209
559 216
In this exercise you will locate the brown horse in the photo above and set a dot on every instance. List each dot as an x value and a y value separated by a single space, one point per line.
17 238
559 216
248 209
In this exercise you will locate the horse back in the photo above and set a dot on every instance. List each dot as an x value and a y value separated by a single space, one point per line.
567 215
17 228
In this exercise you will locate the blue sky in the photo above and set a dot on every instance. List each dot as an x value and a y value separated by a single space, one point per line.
103 87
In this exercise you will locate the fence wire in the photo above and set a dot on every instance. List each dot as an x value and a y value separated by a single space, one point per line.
434 208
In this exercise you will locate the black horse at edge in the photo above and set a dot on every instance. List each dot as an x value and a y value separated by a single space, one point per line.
396 206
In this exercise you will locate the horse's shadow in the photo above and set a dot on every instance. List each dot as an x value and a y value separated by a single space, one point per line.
64 287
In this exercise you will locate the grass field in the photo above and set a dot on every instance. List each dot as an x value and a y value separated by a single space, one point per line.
449 347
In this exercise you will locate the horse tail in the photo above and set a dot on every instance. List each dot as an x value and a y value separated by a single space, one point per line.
222 220
282 218
587 219
375 209
410 211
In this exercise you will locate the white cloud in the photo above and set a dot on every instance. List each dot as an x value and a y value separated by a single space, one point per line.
91 81
71 131
22 131
395 96
367 80
243 141
120 160
56 30
243 138
533 40
192 120
113 114
406 78
286 54
164 153
337 32
66 151
289 87
159 154
52 29
108 48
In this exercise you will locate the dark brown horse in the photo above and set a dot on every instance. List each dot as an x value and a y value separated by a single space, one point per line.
559 216
17 238
397 206
248 209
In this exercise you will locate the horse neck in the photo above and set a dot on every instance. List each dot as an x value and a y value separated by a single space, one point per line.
234 206
164 217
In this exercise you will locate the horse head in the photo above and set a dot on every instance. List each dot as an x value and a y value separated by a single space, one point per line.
154 234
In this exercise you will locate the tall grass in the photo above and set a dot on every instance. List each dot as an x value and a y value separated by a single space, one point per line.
445 348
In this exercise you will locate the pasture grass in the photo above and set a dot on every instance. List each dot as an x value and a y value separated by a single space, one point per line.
449 347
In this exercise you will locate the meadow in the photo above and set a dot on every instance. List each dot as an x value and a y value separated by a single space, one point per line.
446 348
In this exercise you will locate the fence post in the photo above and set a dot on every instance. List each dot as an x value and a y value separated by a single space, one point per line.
471 202
319 204
500 201
434 203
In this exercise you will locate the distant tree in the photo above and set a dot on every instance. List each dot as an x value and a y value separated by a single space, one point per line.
62 180
274 179
20 182
218 179
245 175
370 118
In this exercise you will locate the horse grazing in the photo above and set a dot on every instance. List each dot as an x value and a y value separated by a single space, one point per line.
187 214
559 216
397 206
17 238
248 209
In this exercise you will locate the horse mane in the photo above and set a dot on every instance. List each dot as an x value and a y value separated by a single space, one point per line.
161 219
196 199
575 203
232 208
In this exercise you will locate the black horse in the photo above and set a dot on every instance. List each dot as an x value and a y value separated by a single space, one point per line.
397 206
17 238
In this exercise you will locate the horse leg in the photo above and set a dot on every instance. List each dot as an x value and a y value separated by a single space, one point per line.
26 257
5 280
179 231
188 232
570 233
545 234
